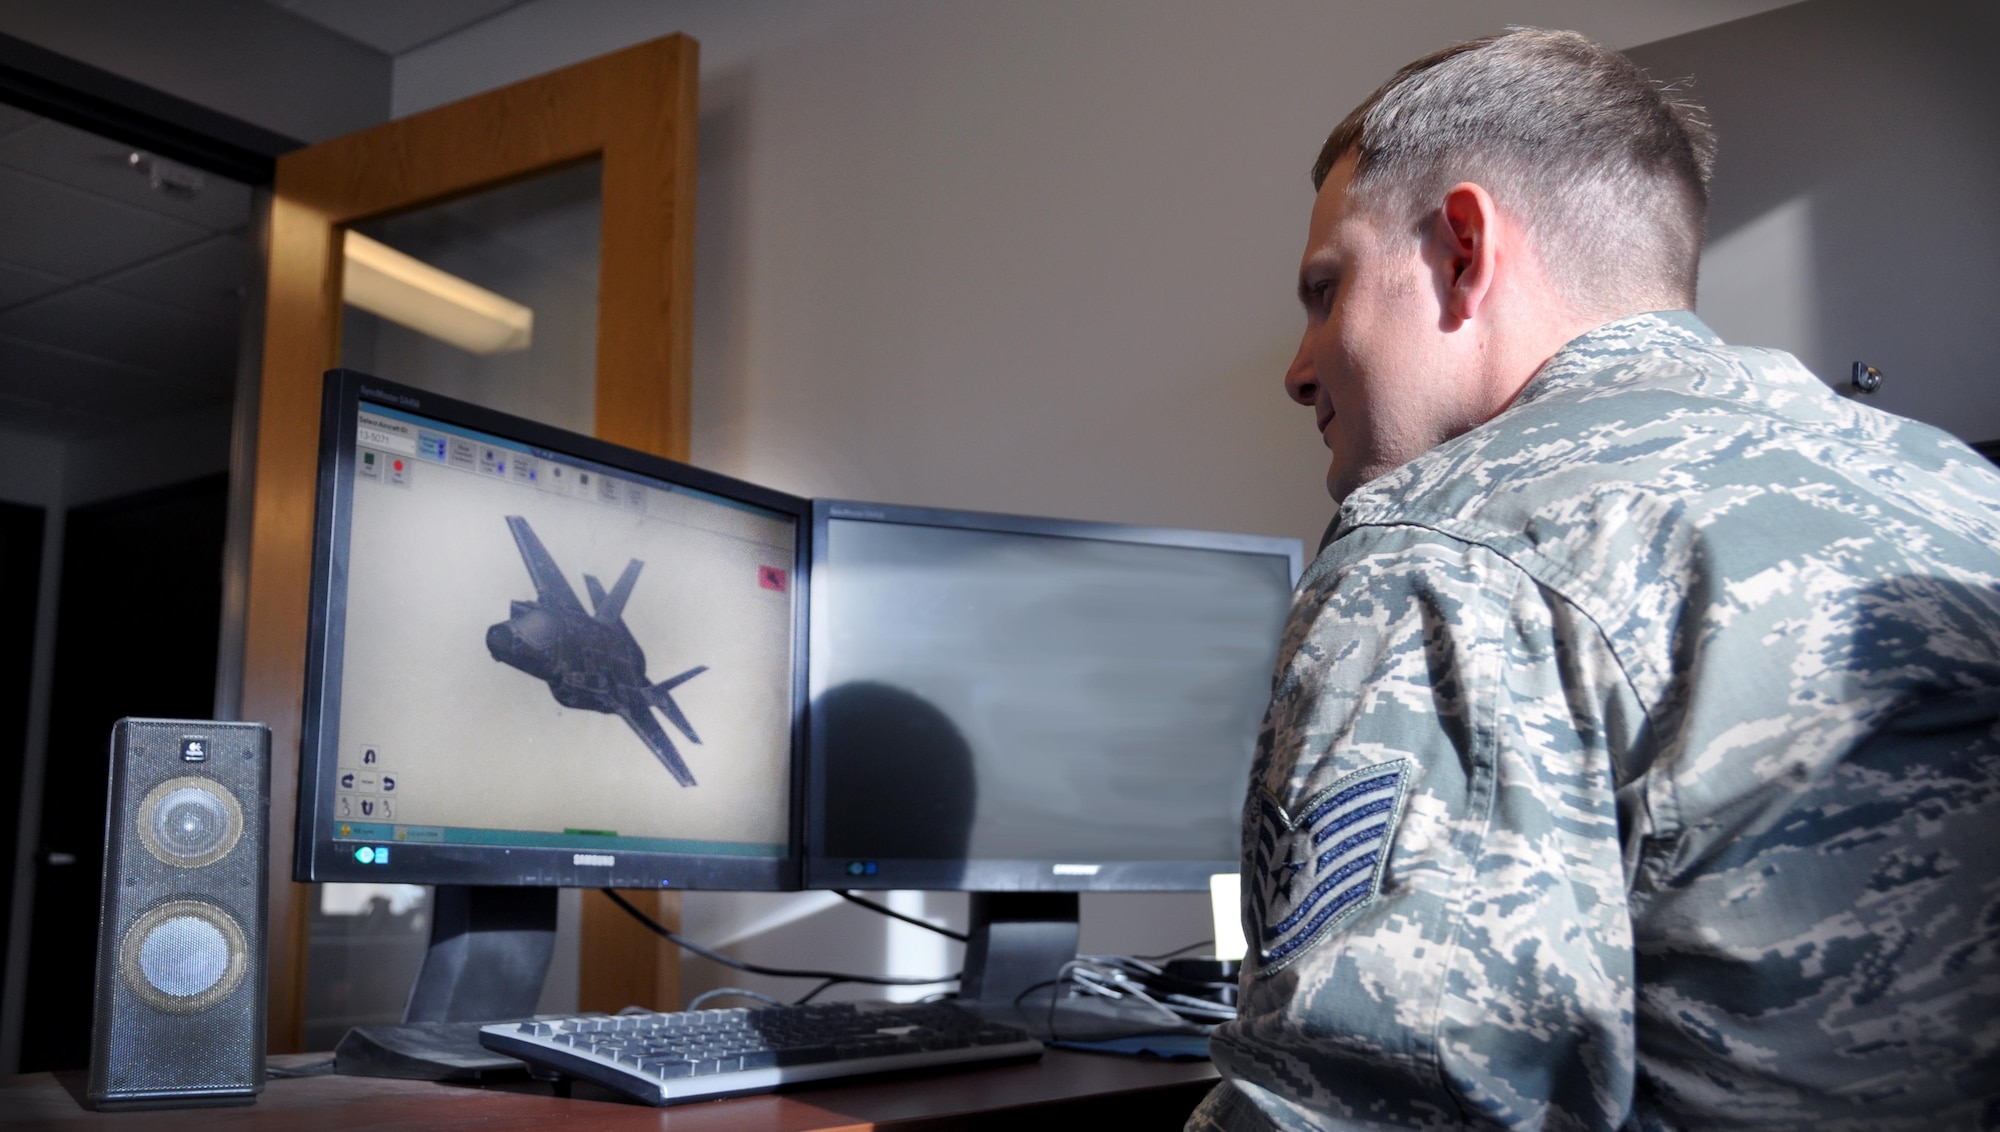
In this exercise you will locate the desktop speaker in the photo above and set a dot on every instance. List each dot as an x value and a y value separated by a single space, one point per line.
180 934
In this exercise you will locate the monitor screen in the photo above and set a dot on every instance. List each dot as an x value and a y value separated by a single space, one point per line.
1001 703
541 659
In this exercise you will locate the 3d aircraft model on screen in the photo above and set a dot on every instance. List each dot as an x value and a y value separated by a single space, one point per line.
589 659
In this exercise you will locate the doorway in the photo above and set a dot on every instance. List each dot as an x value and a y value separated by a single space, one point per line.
124 281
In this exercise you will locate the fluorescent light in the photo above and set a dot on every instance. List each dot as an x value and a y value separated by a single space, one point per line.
409 292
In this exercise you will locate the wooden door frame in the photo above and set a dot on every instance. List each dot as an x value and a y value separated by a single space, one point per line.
636 111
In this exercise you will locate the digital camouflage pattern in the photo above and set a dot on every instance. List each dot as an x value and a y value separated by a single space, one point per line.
1698 668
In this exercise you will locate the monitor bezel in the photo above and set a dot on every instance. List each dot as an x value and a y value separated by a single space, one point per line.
317 856
823 871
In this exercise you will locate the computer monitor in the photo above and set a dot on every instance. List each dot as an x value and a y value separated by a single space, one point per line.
541 660
1013 705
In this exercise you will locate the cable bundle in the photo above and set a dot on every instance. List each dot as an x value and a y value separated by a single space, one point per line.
1202 1002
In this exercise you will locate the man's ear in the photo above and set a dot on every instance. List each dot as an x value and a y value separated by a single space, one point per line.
1467 226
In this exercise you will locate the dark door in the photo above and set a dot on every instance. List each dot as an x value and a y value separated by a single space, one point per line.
20 591
136 633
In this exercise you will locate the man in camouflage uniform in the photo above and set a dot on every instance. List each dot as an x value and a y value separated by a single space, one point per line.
1634 749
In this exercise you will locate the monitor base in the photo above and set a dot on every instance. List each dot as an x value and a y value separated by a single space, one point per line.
424 1051
488 957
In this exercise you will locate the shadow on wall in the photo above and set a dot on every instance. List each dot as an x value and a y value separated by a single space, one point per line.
1851 216
900 784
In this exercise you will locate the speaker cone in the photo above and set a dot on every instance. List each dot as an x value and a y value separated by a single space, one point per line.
189 822
183 956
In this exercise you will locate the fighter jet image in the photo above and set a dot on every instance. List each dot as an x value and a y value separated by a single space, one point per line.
589 659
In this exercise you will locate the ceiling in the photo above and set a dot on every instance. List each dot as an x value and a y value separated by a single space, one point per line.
395 26
119 300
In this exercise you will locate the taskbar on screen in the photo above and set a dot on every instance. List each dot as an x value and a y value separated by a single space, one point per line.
580 840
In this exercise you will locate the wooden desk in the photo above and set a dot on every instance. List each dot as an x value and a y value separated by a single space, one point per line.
1064 1089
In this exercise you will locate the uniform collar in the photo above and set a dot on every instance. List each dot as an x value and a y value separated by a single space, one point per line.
1654 333
1638 335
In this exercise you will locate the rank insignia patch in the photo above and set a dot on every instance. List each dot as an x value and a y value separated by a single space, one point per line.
1315 870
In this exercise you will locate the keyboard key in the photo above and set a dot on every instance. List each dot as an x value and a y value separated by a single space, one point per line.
662 1058
806 1055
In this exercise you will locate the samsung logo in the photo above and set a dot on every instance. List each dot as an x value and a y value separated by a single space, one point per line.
856 513
605 860
1076 870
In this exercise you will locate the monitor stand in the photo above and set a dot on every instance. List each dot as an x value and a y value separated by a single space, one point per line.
489 954
1018 943
1013 955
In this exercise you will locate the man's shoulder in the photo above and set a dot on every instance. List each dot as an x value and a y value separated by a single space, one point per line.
1624 426
1632 481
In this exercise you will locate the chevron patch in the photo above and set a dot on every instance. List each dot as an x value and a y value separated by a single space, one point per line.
1315 870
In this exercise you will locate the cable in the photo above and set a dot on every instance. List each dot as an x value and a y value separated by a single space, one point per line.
1122 969
1033 987
895 915
1087 973
731 992
1177 951
1112 977
814 993
760 969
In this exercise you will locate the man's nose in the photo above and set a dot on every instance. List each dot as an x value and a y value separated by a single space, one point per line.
1300 381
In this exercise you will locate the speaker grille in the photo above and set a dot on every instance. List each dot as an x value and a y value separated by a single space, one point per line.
183 956
189 822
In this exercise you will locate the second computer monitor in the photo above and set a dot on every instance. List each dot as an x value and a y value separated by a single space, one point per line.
1001 703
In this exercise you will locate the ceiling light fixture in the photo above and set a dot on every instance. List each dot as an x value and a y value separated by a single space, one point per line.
169 177
409 292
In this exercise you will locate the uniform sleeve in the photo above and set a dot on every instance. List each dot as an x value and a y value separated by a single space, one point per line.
1437 708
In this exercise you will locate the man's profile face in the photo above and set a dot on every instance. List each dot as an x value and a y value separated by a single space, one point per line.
1373 363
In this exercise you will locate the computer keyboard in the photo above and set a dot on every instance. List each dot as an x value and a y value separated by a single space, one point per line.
665 1058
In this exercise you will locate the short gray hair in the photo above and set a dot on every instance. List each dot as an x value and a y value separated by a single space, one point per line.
1606 168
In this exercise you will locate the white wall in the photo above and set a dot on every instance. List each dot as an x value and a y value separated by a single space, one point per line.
1030 257
1853 195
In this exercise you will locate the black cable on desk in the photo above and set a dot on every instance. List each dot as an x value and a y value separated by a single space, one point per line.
759 969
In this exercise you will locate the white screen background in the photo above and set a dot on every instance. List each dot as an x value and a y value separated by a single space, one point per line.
476 743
